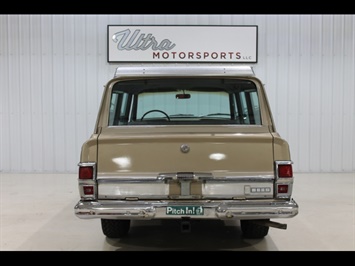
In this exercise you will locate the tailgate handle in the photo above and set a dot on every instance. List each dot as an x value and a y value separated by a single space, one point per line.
185 175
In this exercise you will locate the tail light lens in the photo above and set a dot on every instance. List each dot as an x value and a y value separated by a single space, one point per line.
88 190
285 170
283 179
282 188
86 172
87 180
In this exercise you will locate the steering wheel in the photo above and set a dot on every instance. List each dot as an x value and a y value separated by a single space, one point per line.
156 110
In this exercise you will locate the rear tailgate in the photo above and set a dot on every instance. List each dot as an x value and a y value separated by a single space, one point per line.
160 163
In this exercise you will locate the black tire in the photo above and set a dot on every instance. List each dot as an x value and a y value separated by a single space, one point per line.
251 229
115 228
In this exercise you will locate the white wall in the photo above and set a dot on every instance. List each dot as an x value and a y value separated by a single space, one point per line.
53 68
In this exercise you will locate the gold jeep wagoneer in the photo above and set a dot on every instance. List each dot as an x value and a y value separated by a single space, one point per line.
185 141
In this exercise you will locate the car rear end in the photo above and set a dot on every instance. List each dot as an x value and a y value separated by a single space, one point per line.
186 146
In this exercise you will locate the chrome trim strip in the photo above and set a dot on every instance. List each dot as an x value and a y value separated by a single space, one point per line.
197 176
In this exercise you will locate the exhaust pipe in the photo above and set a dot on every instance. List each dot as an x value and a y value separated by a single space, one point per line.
271 224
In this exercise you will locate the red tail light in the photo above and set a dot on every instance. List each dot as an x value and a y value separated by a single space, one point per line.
285 170
282 188
86 172
88 190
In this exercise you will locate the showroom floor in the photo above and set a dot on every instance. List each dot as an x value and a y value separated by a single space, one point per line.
37 215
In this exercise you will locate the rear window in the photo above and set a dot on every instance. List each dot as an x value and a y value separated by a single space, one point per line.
175 101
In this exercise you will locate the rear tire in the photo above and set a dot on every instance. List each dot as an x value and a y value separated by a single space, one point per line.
254 230
115 228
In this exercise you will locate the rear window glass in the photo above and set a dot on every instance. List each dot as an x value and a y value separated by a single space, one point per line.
177 101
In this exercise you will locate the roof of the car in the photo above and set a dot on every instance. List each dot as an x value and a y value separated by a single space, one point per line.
170 69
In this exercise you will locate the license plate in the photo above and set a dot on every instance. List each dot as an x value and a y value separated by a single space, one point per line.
184 210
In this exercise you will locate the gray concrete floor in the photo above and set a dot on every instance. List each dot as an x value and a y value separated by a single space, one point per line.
37 215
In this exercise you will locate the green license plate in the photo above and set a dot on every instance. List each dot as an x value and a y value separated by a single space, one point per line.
184 210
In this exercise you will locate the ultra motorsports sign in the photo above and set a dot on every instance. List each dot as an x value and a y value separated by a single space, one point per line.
229 44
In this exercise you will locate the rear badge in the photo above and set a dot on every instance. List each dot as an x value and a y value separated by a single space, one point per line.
185 148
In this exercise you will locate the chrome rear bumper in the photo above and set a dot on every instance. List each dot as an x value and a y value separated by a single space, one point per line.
222 210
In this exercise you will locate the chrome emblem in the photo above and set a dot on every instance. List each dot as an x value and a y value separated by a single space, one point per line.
185 148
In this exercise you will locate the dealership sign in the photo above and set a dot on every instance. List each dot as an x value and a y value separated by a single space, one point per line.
229 44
